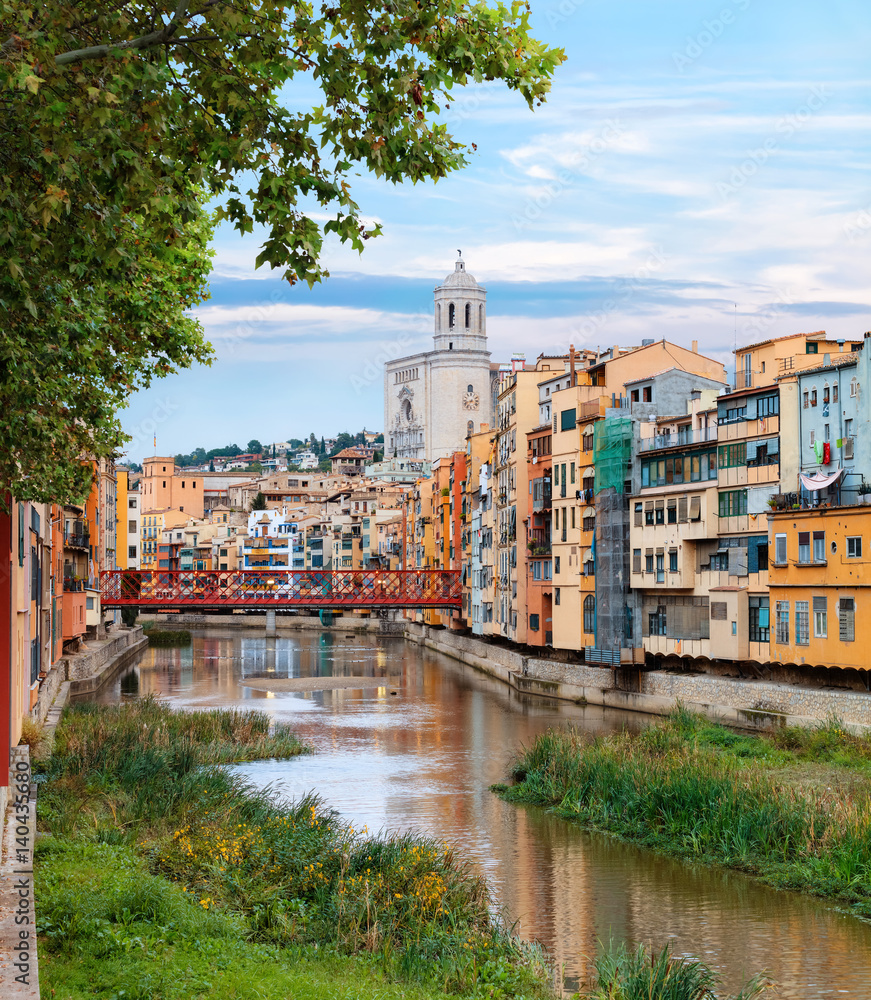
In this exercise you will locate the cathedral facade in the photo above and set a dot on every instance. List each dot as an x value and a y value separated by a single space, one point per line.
433 400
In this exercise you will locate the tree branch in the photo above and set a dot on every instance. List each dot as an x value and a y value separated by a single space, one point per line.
142 42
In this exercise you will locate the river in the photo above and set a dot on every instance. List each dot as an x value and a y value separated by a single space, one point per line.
419 752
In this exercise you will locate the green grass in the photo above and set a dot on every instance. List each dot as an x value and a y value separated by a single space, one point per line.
203 857
168 637
793 808
110 929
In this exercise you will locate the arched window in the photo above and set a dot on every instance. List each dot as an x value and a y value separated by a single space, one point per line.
451 316
468 315
590 614
470 428
469 388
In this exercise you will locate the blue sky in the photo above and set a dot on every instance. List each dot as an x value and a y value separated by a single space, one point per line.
692 156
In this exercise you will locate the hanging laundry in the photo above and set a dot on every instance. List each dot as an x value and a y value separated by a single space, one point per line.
818 451
827 453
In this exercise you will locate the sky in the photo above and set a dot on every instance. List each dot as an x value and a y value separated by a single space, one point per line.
698 172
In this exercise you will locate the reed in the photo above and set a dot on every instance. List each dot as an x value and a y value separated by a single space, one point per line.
695 790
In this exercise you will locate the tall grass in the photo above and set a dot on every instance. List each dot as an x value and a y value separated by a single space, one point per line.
686 787
291 874
641 974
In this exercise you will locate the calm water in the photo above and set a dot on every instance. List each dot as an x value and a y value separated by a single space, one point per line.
420 752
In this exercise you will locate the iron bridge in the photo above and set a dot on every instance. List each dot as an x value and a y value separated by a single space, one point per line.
277 589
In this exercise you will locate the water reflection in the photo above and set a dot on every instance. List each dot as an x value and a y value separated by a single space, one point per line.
423 759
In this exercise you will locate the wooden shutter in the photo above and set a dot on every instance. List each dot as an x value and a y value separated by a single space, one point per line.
718 611
682 510
638 515
846 619
636 561
695 508
737 561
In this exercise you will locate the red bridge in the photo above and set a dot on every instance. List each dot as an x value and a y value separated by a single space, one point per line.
275 590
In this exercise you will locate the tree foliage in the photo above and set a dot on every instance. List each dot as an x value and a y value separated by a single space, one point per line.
119 120
259 502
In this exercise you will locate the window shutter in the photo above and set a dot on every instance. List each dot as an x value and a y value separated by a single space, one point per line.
695 508
846 620
718 611
636 561
638 513
648 505
682 510
751 411
737 561
660 504
750 452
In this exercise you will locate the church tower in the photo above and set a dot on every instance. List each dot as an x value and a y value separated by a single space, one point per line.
460 312
434 400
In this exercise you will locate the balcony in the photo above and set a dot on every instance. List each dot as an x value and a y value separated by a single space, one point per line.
77 536
72 586
680 440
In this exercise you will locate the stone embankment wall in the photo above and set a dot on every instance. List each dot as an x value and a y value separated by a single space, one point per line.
747 703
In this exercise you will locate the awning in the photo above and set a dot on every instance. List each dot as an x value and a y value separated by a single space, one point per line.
818 481
589 512
589 473
587 431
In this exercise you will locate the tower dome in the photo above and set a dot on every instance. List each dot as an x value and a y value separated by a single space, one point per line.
460 312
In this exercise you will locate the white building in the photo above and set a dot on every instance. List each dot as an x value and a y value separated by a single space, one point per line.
433 400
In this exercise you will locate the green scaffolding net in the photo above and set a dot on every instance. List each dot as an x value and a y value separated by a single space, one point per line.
612 450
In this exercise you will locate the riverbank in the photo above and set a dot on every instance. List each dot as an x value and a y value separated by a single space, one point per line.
746 703
792 808
166 875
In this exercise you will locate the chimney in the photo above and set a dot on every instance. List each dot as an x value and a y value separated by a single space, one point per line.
572 363
695 347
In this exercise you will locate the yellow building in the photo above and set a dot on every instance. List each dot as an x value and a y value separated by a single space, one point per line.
761 363
151 528
819 578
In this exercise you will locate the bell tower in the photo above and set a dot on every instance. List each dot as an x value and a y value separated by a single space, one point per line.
460 312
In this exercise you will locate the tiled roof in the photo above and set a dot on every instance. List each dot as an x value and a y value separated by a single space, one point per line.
842 359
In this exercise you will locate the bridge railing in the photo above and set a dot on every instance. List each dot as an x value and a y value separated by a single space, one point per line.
276 588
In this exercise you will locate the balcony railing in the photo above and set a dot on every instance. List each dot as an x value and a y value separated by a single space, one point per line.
73 586
687 437
77 535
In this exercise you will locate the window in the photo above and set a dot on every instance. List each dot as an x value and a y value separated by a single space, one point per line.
835 393
802 623
768 406
589 614
719 561
781 623
468 315
589 524
804 546
648 512
636 560
733 503
813 397
533 619
556 564
854 385
572 473
671 512
825 393
811 348
556 595
819 546
657 621
647 394
648 562
672 561
131 502
847 619
573 517
804 399
567 419
732 455
821 617
634 396
759 629
660 512
131 551
854 547
131 527
660 568
451 312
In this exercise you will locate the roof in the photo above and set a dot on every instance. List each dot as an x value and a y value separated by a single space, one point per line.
351 453
460 278
674 368
816 335
843 359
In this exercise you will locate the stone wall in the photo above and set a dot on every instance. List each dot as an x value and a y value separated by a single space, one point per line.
760 696
101 652
349 623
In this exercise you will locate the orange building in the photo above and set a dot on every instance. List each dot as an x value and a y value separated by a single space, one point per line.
163 487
